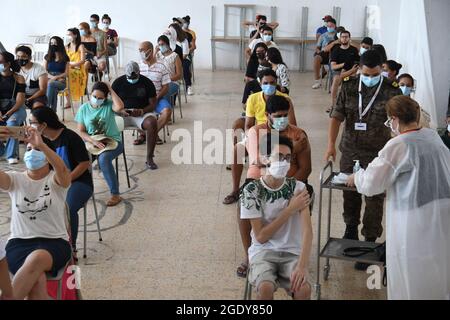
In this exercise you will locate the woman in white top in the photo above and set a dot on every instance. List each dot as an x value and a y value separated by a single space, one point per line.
172 61
39 241
5 281
414 169
275 59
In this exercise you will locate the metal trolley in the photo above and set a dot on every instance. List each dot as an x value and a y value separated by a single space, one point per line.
334 247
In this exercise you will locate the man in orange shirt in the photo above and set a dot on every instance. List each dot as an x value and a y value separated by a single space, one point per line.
277 112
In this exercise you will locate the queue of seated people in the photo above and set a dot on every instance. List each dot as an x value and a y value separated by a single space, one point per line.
58 160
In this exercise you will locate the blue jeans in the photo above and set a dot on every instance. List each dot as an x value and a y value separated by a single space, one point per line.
105 161
187 72
77 196
12 146
173 89
52 93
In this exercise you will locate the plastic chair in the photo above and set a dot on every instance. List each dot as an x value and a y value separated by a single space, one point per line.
59 278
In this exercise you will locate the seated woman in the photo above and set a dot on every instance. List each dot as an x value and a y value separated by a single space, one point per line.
90 45
97 118
39 241
71 148
257 63
111 35
56 62
77 73
5 281
36 78
280 68
12 103
171 60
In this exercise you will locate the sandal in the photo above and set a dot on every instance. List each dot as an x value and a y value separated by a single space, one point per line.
241 271
159 141
231 198
141 140
114 201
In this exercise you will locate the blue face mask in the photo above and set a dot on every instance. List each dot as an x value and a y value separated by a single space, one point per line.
133 81
330 30
267 38
163 49
370 82
93 24
2 67
34 160
96 103
406 90
268 89
280 124
82 33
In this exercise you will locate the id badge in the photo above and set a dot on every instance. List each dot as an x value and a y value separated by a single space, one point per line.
360 126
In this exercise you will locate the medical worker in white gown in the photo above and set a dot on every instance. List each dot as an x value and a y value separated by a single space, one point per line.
414 170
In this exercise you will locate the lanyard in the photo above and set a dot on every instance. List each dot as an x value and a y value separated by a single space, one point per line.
360 106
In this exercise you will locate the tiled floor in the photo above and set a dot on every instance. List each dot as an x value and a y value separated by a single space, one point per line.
173 238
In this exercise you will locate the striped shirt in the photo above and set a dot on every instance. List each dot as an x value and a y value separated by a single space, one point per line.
157 72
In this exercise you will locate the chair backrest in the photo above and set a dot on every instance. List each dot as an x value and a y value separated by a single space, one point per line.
120 123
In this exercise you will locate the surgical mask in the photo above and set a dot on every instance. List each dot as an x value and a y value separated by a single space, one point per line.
362 51
185 26
144 55
279 169
406 90
385 74
268 89
96 103
82 33
133 81
34 160
390 125
105 25
280 124
93 24
2 67
267 38
163 49
369 81
339 35
330 30
23 62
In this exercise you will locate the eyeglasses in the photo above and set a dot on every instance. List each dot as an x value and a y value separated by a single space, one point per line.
280 157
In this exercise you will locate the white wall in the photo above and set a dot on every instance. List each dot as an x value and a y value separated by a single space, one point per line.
137 20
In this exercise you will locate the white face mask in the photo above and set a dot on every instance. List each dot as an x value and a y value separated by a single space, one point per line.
448 128
144 55
279 170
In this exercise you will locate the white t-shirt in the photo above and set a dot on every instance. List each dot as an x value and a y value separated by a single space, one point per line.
38 207
185 46
253 44
157 72
259 201
32 78
169 61
2 249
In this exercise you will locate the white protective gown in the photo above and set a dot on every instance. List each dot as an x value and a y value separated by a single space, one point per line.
414 169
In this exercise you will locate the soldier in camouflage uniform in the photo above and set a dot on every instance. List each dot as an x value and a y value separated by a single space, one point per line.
363 137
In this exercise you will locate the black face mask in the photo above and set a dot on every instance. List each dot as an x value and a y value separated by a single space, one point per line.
23 62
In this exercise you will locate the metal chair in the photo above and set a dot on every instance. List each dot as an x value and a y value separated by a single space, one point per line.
59 278
121 126
85 215
65 94
248 289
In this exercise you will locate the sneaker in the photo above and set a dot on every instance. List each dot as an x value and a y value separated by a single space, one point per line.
190 92
13 161
351 233
317 84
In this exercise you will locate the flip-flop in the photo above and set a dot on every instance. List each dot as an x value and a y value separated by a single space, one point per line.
241 271
231 198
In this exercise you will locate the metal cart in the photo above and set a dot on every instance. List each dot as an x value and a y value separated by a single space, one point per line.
334 247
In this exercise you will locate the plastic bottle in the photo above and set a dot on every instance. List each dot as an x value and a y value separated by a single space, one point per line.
357 166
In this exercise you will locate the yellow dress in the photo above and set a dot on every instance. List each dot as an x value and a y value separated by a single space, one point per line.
77 76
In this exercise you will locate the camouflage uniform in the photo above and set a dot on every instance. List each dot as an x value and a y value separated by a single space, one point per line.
363 146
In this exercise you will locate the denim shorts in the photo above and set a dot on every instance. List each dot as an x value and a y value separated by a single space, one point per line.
162 104
17 251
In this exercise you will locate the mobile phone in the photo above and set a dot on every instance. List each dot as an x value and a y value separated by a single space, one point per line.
17 132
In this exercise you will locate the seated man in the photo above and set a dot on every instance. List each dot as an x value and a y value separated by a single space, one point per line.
36 78
255 115
139 97
157 72
278 210
322 57
300 166
266 33
5 281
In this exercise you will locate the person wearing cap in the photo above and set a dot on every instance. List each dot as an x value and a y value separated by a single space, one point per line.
261 21
97 117
322 57
157 72
323 29
138 94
